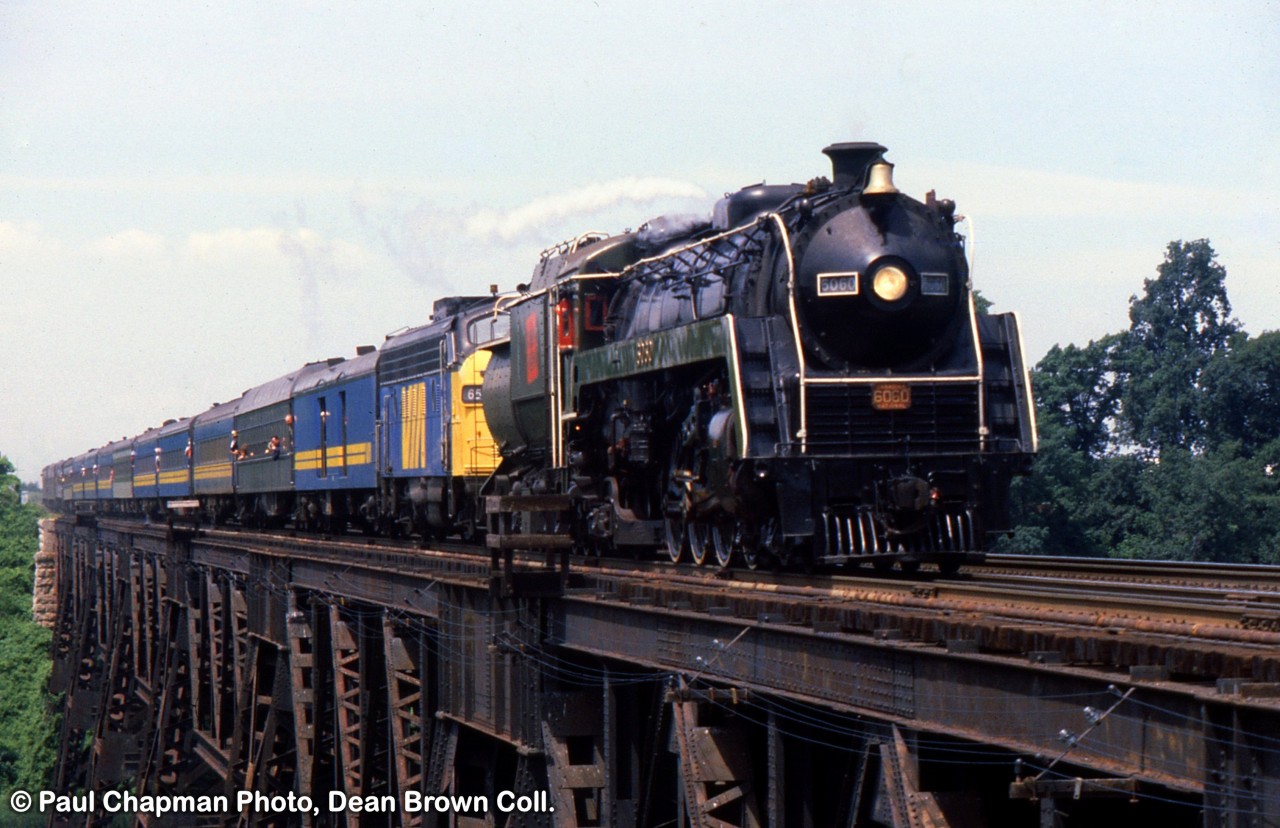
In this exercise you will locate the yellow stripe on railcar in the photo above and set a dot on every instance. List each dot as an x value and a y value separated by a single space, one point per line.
356 454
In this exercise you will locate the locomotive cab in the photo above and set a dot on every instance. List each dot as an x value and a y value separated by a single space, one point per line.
566 309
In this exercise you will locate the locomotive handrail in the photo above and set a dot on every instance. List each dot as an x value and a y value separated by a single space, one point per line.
803 432
874 380
972 250
568 246
983 430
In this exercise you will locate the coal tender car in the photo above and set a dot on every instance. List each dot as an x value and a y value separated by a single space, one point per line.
802 377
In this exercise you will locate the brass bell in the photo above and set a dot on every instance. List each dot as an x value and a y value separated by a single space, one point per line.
880 180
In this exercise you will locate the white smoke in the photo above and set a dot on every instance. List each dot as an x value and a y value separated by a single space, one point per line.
510 225
658 231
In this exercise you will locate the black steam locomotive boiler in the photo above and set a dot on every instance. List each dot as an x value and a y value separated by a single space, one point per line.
802 377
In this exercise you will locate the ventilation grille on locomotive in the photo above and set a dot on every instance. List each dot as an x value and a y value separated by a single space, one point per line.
943 418
414 360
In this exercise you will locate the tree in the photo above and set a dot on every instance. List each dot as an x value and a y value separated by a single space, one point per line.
1181 321
1242 394
1162 441
1076 391
28 730
1219 506
1057 509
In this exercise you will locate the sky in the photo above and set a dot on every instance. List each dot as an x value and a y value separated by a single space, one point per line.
197 198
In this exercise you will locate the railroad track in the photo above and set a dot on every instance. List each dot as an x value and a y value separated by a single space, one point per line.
1250 579
1229 603
1235 596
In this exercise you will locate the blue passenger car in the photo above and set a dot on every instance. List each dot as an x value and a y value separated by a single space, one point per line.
120 473
67 472
413 400
76 476
145 473
50 485
264 425
101 459
213 450
335 419
87 479
173 455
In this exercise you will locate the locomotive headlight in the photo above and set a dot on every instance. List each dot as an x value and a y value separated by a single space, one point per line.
889 283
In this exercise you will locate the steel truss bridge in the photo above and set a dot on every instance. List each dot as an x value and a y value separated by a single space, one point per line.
206 663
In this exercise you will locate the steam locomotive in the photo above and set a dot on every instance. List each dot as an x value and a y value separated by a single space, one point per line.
801 377
804 376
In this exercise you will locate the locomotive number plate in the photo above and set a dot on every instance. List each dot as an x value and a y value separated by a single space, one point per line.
890 397
473 394
838 284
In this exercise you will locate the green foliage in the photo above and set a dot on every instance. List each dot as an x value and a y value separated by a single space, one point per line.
1242 394
1075 394
1182 320
982 303
1220 507
28 732
1162 441
31 819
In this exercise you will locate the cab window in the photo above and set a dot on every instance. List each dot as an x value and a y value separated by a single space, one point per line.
488 328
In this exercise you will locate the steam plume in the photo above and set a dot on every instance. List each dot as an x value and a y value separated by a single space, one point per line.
509 225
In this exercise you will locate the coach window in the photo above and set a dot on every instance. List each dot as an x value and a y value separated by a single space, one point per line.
342 409
323 468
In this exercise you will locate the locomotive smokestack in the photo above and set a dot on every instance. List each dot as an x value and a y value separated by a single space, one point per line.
849 161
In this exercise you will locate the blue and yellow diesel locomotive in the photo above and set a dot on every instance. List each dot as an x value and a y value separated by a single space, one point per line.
804 375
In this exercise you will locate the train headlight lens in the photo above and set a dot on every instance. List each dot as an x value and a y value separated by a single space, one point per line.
889 283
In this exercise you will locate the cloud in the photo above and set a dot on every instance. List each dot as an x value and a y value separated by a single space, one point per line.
21 240
118 332
129 244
